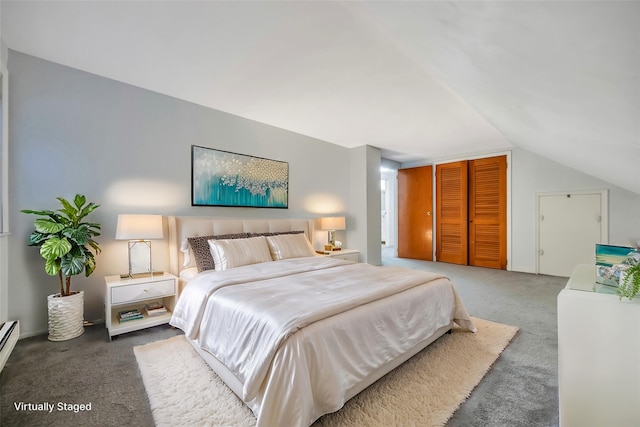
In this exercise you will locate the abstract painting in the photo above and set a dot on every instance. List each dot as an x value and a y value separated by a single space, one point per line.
221 178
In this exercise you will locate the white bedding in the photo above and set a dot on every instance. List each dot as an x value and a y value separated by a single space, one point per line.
303 337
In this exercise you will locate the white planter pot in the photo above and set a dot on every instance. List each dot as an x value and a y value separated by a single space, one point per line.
66 316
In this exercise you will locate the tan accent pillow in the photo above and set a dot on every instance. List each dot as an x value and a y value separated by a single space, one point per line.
285 246
233 253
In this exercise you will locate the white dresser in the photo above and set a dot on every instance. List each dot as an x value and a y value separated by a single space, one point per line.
598 354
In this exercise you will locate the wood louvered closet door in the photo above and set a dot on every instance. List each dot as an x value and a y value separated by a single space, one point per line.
451 212
488 212
471 212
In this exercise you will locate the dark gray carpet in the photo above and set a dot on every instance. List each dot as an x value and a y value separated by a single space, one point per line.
87 369
520 390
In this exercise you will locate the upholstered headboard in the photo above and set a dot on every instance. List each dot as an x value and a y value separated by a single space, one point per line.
181 227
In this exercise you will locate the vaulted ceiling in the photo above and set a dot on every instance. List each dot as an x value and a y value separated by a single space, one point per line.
424 80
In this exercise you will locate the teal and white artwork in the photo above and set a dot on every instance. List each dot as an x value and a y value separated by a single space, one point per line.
611 260
221 178
610 255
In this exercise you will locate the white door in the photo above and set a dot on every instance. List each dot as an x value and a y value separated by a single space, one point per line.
569 226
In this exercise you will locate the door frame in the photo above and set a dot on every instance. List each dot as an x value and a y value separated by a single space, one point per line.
392 176
480 156
604 221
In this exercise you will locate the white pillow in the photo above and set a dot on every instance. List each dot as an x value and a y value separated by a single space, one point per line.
285 246
230 253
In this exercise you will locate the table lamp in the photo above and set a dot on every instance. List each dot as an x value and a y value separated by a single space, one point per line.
139 230
331 224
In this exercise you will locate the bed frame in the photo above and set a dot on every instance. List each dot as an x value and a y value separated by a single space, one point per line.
181 227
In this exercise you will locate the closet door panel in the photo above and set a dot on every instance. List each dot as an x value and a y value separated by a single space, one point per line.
452 212
488 212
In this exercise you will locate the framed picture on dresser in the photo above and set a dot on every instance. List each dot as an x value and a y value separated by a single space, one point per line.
608 262
222 178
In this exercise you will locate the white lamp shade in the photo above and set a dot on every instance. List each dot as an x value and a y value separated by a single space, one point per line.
139 227
333 223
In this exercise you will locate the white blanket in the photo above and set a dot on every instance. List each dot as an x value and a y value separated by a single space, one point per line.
251 326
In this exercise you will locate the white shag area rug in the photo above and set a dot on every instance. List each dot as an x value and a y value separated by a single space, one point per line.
426 390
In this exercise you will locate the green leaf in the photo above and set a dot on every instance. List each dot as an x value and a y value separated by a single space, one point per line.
52 266
88 209
79 235
48 226
61 219
90 264
43 213
67 208
72 264
36 239
79 201
55 248
95 246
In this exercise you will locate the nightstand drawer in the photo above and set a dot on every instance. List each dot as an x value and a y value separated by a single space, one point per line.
347 257
142 291
345 254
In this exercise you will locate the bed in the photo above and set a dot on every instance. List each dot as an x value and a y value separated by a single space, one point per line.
292 333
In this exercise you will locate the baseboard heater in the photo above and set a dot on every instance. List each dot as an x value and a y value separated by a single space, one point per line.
9 333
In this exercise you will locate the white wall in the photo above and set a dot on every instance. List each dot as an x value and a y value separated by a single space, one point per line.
364 227
128 149
4 260
531 174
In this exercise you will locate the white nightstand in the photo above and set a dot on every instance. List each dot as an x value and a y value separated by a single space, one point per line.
346 254
125 294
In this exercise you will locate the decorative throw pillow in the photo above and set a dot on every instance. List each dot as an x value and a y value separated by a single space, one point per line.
232 253
202 251
285 246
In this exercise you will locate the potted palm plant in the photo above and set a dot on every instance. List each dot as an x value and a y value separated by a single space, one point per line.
67 246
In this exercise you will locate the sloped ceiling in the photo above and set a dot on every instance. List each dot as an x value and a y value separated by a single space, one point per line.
420 80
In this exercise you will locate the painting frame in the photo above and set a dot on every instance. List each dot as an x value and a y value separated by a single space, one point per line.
227 179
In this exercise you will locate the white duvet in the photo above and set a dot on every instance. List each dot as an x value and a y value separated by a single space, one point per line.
302 334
